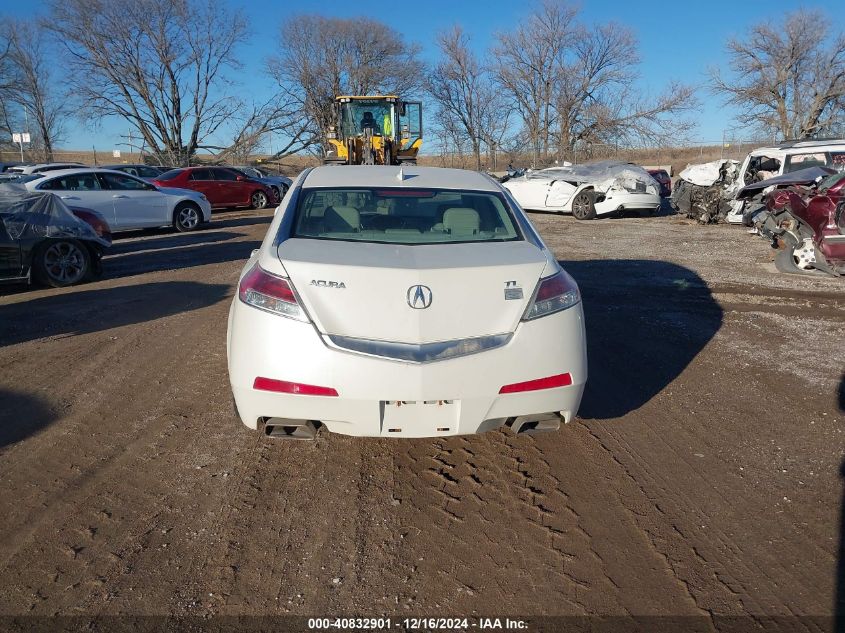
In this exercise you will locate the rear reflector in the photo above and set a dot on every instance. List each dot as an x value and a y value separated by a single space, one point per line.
550 382
283 386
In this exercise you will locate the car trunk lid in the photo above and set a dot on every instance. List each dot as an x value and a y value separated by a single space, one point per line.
380 291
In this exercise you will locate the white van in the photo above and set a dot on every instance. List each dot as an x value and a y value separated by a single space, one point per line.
789 156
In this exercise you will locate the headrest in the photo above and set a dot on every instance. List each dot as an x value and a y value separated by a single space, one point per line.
461 220
343 218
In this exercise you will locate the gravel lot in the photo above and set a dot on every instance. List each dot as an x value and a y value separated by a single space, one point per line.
702 477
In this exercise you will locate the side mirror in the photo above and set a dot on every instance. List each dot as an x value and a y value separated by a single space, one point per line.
240 178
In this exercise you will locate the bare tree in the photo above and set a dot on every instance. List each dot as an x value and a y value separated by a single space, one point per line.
462 89
598 100
529 61
159 64
34 88
577 83
788 78
320 58
6 83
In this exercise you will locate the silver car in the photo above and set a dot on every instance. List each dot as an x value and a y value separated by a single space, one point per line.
125 201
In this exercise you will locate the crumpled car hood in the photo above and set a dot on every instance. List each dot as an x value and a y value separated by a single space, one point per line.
603 175
707 174
800 177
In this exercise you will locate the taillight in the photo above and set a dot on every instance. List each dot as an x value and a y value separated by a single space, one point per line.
553 294
264 291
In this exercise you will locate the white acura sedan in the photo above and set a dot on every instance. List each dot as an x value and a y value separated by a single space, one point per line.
404 302
127 202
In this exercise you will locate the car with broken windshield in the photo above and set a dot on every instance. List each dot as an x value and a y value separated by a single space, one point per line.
404 302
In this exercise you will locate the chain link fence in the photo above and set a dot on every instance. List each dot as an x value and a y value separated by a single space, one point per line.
674 157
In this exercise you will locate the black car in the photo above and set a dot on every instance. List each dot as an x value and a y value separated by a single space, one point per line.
41 239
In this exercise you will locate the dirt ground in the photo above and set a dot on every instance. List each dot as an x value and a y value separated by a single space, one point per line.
702 477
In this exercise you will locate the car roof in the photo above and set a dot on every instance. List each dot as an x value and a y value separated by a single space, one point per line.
80 170
388 176
128 165
800 147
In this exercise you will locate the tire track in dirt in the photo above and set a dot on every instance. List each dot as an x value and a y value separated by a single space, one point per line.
507 521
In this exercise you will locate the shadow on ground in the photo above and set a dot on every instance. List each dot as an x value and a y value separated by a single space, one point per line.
646 321
82 311
167 258
175 240
21 415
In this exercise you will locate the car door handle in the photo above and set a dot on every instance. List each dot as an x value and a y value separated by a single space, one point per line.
119 196
69 197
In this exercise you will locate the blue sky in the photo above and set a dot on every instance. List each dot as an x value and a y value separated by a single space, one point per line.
677 40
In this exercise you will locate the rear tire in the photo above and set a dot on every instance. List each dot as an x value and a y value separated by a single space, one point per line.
186 217
61 263
258 200
583 206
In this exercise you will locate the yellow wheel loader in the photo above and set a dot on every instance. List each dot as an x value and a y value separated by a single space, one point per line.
374 130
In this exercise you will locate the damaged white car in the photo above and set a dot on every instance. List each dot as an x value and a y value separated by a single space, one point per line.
708 192
588 191
703 192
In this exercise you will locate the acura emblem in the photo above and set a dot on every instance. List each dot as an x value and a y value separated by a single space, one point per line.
419 297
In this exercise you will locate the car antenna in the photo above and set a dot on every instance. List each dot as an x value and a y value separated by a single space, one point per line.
400 176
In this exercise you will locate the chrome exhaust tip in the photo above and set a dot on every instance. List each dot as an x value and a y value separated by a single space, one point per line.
537 423
280 428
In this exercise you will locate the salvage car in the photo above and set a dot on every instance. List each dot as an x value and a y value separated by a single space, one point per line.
125 201
804 217
703 192
786 157
663 179
589 190
222 186
404 302
42 240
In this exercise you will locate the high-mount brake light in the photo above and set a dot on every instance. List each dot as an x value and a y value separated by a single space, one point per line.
404 193
553 294
264 291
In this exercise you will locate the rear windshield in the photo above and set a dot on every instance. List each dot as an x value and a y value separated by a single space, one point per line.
404 216
169 175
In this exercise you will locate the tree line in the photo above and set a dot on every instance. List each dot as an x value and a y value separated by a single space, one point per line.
549 84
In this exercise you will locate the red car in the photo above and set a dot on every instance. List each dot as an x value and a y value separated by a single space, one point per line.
223 187
663 180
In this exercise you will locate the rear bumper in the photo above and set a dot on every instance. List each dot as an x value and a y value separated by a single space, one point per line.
385 398
628 202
